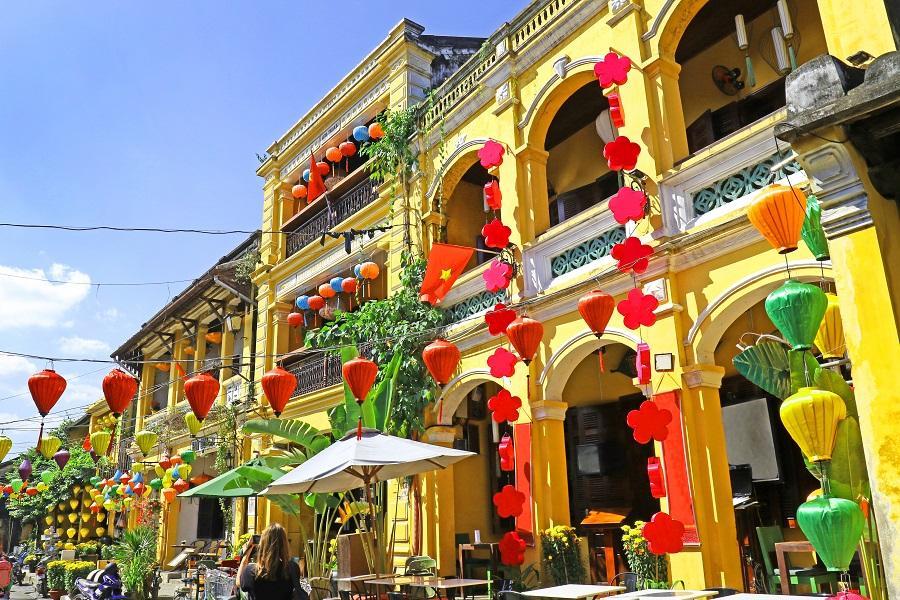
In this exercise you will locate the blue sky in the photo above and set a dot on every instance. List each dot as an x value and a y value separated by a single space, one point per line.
150 114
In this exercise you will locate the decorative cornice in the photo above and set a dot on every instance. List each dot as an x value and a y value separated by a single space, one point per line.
549 410
709 376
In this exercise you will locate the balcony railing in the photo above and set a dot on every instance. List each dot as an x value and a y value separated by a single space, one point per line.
315 372
357 198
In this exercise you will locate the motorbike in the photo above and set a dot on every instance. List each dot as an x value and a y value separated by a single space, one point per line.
18 562
101 584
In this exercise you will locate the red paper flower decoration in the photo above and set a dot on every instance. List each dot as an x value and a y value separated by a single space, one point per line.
496 234
502 363
507 452
628 205
491 154
621 154
664 534
616 113
499 318
509 502
632 255
492 196
497 276
649 422
612 69
655 475
512 549
637 309
504 406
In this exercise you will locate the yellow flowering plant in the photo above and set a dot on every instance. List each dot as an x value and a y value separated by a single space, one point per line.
651 569
561 555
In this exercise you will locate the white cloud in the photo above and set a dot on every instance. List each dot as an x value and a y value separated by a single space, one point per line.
79 346
29 299
109 314
11 366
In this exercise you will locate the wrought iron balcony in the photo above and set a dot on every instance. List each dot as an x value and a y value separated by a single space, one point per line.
348 204
317 370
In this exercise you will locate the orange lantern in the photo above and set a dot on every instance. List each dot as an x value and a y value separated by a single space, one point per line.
333 154
441 359
778 214
596 308
324 168
278 385
369 270
525 335
169 494
347 149
298 191
181 485
326 291
295 319
201 391
376 131
316 302
359 373
176 460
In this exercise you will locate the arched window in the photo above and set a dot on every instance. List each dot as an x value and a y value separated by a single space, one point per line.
465 212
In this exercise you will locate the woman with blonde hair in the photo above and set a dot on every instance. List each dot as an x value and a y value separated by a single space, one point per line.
272 575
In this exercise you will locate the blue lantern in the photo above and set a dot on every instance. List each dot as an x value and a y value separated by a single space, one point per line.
306 175
335 284
138 478
361 133
117 476
357 271
302 302
175 474
128 490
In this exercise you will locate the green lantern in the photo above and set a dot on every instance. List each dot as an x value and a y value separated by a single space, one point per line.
812 233
95 481
834 527
156 483
797 309
46 477
188 456
16 484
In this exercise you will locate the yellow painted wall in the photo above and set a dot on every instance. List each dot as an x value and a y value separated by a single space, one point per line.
586 386
471 477
576 161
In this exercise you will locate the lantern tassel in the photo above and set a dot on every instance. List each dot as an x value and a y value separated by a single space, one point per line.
41 432
359 428
113 439
600 357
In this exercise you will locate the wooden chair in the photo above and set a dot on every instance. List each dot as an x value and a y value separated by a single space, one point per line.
814 577
627 579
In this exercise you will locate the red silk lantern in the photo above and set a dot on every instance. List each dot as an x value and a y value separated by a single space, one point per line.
525 335
119 388
31 491
324 168
493 199
616 114
201 391
596 308
181 485
326 291
507 453
347 148
165 462
642 363
46 387
441 359
169 494
333 154
359 373
95 508
316 302
298 191
348 285
655 475
139 488
278 385
295 319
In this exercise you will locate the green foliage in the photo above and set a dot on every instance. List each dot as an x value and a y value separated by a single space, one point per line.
135 552
765 364
86 548
649 567
398 325
31 509
804 367
826 379
293 430
77 569
245 267
106 552
522 578
561 555
56 574
228 447
393 155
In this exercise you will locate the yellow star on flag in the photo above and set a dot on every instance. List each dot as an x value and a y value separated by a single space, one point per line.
446 273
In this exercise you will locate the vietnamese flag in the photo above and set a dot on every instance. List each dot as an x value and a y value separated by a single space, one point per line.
316 186
446 263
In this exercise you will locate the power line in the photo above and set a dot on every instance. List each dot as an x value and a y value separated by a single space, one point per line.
92 283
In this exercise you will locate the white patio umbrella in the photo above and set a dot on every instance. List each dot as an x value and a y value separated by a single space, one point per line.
350 463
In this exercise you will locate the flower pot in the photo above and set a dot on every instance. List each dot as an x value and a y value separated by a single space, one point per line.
55 594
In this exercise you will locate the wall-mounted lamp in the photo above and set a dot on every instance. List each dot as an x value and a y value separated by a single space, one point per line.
782 52
233 323
605 128
787 30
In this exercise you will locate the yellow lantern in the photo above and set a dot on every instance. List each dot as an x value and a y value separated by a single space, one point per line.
76 490
86 502
109 505
71 532
84 531
100 441
5 446
73 503
61 506
48 446
41 487
60 518
778 213
127 501
69 546
72 517
193 423
811 417
184 471
100 531
830 337
159 471
85 517
100 517
145 440
48 520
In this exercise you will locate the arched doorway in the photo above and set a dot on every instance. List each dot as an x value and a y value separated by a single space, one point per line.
465 211
607 469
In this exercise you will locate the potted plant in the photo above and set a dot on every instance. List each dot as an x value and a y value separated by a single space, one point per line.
75 570
652 569
561 553
106 555
56 578
135 553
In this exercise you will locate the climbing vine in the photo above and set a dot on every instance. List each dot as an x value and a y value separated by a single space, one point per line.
225 453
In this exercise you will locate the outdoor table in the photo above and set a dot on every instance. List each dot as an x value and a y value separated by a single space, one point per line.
743 596
358 582
574 591
450 584
674 594
781 550
468 547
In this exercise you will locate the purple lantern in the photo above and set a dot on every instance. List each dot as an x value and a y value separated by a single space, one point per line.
61 457
25 470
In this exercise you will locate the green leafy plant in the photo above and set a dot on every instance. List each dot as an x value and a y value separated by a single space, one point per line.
135 553
106 552
87 548
561 555
765 364
56 574
522 578
652 569
75 570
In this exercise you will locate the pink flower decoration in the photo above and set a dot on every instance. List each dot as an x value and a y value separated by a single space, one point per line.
616 112
632 255
504 406
499 318
491 154
621 154
502 363
612 69
496 234
497 276
509 502
637 309
649 422
507 451
628 205
492 196
664 534
512 549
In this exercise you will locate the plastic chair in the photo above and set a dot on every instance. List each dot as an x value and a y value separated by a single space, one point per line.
420 565
627 579
721 592
813 577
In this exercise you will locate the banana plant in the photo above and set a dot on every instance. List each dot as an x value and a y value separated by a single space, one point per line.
376 409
